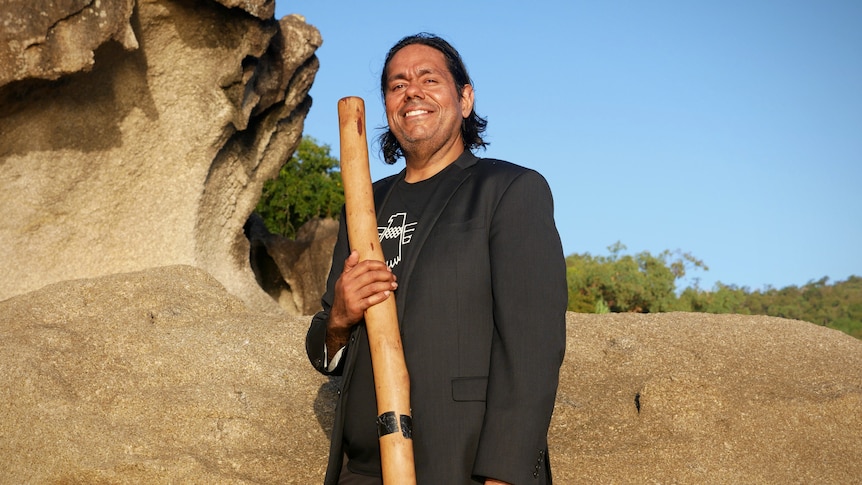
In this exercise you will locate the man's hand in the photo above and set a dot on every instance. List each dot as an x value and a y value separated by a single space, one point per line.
491 481
360 286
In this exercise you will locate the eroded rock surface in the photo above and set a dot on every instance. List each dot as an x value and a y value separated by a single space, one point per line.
46 40
162 376
293 271
138 134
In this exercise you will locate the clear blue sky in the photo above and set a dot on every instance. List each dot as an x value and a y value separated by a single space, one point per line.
731 130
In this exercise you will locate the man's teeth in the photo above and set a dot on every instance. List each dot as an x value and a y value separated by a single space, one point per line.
415 112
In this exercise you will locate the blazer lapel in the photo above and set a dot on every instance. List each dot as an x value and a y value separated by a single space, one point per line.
438 201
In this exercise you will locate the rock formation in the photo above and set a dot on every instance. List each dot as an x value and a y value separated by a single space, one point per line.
48 40
162 376
155 377
138 134
293 271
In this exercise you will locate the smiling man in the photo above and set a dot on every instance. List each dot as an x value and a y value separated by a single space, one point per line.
425 109
475 260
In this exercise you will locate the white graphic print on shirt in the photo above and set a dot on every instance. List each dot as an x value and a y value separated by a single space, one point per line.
394 237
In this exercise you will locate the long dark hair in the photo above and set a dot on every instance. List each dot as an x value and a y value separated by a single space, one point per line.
472 127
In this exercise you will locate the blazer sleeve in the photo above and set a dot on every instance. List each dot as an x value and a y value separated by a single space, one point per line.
530 297
315 339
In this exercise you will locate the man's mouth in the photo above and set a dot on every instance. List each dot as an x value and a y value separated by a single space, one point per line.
415 112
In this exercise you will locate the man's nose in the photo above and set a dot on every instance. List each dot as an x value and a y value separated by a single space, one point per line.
414 91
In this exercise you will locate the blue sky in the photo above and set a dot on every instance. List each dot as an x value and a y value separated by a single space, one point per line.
731 130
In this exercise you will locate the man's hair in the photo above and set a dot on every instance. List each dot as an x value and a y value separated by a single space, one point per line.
472 127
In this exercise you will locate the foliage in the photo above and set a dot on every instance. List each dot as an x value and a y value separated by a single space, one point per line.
837 306
625 283
646 283
307 186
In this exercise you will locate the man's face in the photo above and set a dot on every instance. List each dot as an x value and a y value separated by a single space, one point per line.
423 107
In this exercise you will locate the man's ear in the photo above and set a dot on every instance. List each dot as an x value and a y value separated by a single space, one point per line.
466 100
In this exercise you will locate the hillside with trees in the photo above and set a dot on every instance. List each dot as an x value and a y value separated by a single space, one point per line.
309 185
646 283
837 305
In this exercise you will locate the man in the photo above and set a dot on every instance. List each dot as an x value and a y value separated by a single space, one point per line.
475 261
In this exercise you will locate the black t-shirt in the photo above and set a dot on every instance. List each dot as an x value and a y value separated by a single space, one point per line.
396 222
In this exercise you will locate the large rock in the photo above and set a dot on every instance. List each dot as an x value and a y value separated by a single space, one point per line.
47 40
259 8
138 134
155 377
697 398
163 377
293 271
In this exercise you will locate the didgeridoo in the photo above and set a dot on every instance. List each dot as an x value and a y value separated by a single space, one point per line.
391 380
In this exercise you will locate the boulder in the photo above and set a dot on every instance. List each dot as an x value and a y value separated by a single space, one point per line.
259 8
47 40
699 398
139 134
156 377
163 376
293 271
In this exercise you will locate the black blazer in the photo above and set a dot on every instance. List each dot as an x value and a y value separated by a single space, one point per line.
481 304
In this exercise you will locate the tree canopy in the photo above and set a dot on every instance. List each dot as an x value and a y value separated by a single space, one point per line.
837 305
626 283
307 186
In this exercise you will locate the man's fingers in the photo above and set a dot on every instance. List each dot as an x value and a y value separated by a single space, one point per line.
376 298
372 293
352 264
351 261
371 281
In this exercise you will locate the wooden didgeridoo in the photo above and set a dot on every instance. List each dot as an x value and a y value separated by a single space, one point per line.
391 380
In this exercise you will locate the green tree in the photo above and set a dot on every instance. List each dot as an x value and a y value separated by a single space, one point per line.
626 283
307 186
837 306
722 299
